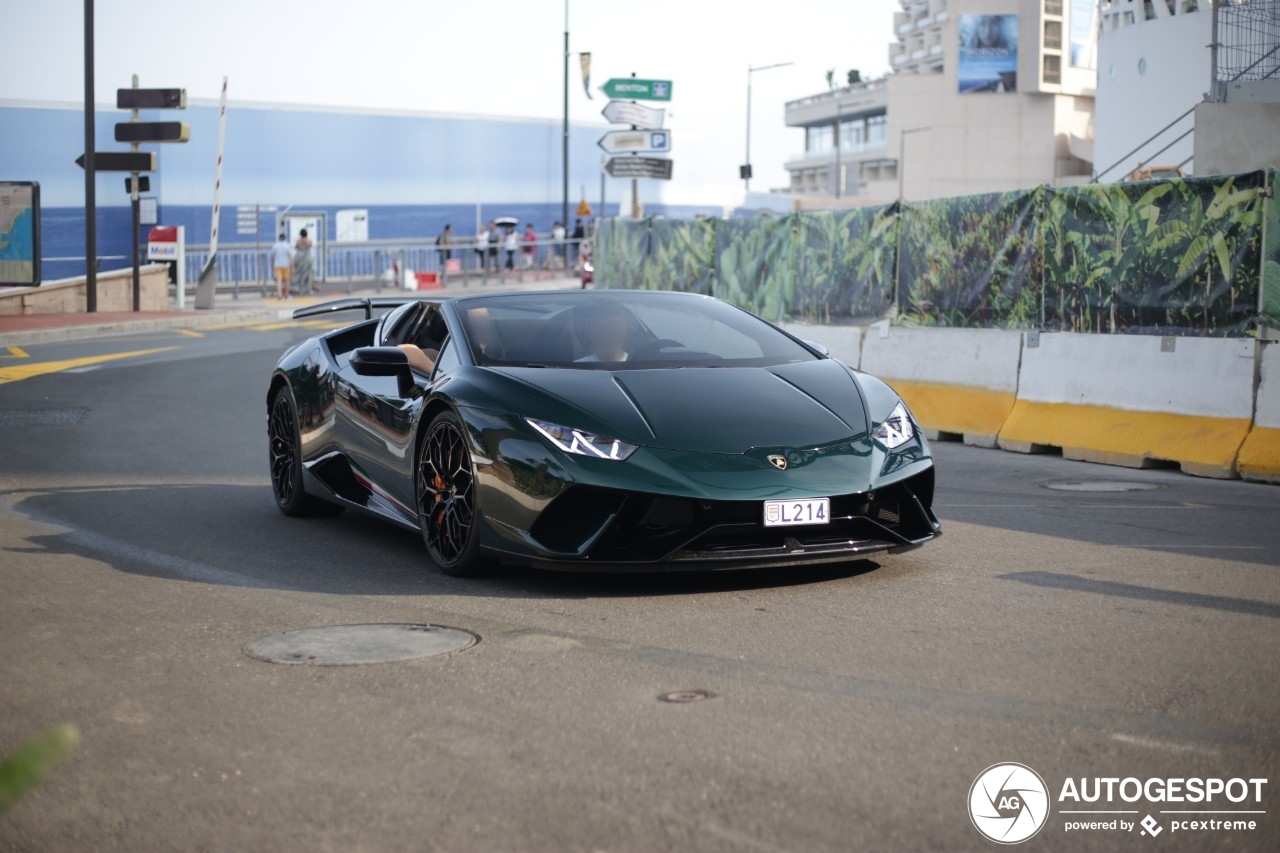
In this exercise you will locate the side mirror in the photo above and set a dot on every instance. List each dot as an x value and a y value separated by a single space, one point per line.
385 361
817 346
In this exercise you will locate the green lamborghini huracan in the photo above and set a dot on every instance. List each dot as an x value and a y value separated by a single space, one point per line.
596 430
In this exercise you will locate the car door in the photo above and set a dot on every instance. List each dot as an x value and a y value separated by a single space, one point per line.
376 424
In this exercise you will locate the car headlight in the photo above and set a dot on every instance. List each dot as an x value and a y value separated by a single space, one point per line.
581 443
896 429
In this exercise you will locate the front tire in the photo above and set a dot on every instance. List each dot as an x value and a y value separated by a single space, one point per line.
447 498
284 448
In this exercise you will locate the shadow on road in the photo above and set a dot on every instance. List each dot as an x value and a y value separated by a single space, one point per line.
234 536
1075 583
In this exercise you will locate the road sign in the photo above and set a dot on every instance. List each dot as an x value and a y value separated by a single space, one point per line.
144 184
625 112
121 161
639 167
643 141
645 90
151 99
152 131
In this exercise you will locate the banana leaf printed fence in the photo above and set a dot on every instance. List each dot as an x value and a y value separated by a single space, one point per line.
1178 256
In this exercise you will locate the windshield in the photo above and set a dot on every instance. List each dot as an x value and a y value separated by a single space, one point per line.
621 331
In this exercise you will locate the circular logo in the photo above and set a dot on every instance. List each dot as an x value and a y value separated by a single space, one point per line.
1008 803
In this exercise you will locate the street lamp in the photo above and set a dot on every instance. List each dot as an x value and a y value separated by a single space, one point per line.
902 154
746 171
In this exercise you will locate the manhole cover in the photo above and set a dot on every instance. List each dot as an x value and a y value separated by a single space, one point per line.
42 417
681 696
1102 486
344 645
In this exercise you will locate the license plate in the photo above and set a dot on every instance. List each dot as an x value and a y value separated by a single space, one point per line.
788 513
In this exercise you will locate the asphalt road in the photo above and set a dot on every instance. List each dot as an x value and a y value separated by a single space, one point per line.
1082 633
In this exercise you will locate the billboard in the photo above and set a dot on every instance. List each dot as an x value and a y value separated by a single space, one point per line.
988 53
1084 33
19 233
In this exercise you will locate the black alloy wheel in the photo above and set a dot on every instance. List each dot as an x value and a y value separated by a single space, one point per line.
285 454
447 498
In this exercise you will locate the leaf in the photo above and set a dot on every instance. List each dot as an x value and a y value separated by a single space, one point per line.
34 760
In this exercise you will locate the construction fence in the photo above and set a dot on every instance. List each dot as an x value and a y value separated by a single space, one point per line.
1173 256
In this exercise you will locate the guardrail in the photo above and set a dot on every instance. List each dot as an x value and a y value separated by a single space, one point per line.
388 262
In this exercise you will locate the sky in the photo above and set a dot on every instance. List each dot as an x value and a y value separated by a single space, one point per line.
495 58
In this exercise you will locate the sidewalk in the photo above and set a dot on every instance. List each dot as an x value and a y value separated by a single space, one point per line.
23 329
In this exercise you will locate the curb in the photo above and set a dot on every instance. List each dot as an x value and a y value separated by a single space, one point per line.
85 331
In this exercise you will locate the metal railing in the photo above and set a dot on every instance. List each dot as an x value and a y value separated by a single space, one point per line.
388 262
1248 41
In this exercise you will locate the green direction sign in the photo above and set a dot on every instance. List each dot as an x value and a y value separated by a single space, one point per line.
631 87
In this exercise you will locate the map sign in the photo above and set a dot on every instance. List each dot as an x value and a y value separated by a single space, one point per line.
19 233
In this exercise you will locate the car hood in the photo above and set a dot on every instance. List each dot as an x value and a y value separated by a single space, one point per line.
710 410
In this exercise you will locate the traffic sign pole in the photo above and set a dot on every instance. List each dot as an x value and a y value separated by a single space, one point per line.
635 185
134 203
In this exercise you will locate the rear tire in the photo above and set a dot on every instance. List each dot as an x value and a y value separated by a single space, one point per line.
446 488
284 451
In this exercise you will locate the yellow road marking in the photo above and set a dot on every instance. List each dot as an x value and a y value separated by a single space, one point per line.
190 333
17 352
297 324
26 371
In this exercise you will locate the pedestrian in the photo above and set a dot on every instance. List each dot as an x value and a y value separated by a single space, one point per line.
509 244
576 246
482 245
282 264
530 245
557 245
442 245
495 237
303 265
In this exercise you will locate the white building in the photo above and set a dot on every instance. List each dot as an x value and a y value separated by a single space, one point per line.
984 96
1162 100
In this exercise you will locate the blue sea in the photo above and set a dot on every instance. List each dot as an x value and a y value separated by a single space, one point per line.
62 228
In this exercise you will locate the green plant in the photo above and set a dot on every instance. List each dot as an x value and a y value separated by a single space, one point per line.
33 760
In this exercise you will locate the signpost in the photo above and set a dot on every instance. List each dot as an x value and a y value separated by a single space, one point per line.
631 87
645 136
639 167
121 161
638 141
636 115
136 132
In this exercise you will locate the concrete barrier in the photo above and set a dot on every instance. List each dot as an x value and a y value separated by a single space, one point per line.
115 293
956 381
1259 457
1135 400
842 342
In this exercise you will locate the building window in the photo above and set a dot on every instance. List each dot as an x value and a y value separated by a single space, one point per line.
877 131
1053 35
818 139
1053 7
1052 69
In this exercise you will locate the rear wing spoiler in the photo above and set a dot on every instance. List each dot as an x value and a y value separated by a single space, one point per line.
366 305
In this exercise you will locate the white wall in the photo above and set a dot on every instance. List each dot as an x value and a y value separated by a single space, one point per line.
1133 104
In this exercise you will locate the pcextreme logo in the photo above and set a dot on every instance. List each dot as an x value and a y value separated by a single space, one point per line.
1010 802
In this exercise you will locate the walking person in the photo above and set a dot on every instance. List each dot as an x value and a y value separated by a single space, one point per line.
509 244
442 246
481 246
529 245
303 265
577 237
557 246
282 265
495 238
